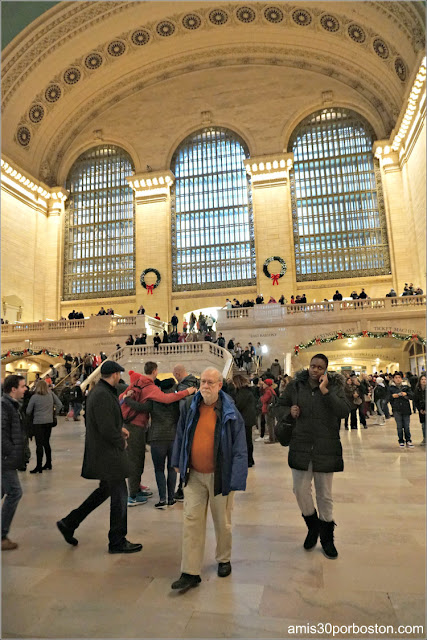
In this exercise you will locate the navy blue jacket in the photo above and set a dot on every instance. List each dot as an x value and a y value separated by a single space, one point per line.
12 434
230 449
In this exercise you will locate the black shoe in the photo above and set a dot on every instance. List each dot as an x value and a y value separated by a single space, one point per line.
160 505
327 539
312 523
67 533
179 495
126 547
224 569
186 581
172 502
23 468
47 466
37 470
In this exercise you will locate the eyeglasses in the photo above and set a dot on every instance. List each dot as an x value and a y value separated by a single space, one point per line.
209 383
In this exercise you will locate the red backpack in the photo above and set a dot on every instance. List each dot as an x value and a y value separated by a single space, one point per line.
128 413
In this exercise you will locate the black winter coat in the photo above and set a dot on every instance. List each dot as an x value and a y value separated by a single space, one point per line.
246 404
420 398
164 418
401 404
316 435
12 434
105 457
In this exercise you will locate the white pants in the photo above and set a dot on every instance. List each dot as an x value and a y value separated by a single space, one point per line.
302 490
197 494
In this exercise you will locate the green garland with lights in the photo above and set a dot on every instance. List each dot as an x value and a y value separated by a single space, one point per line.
30 352
341 335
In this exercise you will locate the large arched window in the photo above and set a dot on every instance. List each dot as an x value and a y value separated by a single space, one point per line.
99 259
337 202
212 224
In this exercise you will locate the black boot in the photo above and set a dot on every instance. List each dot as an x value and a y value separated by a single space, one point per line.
327 539
312 523
37 470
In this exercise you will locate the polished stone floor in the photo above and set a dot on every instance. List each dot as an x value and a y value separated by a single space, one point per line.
52 590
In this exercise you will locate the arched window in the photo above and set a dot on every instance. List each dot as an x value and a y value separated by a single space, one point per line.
99 259
212 224
337 203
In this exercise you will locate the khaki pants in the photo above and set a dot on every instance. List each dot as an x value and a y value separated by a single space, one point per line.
197 494
323 485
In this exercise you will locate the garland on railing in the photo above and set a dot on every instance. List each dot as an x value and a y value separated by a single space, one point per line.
363 334
30 352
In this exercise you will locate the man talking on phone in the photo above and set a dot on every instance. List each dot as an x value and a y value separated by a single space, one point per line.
317 402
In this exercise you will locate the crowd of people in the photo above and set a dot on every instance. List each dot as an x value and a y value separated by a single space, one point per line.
201 432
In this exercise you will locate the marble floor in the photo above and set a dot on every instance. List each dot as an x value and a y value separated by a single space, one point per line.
52 590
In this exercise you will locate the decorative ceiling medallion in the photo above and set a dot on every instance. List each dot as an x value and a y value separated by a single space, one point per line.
72 75
23 136
93 61
165 28
356 33
245 14
191 21
301 17
53 93
140 37
380 48
400 68
273 14
116 48
218 16
330 23
36 113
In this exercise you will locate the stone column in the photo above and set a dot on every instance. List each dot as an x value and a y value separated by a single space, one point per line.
53 252
152 239
272 221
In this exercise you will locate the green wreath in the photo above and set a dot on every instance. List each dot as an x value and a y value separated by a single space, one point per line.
274 277
150 287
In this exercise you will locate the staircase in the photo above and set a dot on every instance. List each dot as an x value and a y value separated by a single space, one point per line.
195 356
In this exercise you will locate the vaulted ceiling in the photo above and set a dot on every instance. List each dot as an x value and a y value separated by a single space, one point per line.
121 70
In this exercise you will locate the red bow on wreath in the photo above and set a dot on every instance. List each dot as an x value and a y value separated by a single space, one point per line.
150 288
275 277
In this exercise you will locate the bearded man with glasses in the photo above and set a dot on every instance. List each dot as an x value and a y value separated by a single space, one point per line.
210 454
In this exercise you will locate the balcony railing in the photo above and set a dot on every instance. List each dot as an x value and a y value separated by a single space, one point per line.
276 311
94 323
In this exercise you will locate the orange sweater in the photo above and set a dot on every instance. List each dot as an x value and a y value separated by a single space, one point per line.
202 450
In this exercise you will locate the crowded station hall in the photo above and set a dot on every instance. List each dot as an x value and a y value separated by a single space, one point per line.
213 322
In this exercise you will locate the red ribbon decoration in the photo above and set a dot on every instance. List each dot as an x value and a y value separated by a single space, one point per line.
275 277
389 333
339 336
296 348
414 336
365 334
317 340
61 354
150 288
25 352
8 354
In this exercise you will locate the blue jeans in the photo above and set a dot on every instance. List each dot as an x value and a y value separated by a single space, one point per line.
11 488
77 408
402 423
159 452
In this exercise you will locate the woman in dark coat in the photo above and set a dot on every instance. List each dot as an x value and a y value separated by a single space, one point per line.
317 402
246 403
420 404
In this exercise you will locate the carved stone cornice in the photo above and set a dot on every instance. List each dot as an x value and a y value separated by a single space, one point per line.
269 170
151 186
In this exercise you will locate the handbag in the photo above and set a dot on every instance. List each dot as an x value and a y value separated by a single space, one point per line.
284 428
54 418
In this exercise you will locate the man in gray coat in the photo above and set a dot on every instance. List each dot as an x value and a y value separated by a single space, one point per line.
105 459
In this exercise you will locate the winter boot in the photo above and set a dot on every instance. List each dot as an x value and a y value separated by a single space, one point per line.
312 523
327 539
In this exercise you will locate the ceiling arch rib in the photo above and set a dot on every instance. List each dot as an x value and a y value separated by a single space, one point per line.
383 103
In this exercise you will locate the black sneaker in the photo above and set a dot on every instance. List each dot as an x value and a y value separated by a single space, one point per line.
179 495
160 505
171 502
186 581
126 547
